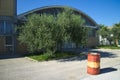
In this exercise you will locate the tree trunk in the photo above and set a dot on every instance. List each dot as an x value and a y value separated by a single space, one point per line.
77 48
116 41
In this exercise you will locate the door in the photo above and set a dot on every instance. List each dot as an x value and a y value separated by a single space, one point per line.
9 44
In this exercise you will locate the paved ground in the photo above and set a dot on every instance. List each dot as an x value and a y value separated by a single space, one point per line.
20 68
111 74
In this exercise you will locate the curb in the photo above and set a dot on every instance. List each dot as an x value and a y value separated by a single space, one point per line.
31 59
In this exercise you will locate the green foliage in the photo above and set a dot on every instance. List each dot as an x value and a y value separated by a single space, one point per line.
74 27
36 32
77 30
47 31
116 31
58 55
105 32
108 47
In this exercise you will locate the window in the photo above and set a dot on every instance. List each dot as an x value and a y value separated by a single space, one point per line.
92 33
6 27
9 44
8 40
1 27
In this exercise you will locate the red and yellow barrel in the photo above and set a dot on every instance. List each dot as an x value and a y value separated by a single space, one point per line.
93 66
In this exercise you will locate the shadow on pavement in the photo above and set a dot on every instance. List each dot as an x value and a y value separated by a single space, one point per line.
107 70
8 56
77 58
73 59
103 54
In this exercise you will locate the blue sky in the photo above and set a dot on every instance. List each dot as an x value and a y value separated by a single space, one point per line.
105 12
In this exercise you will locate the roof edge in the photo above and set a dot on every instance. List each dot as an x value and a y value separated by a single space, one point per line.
56 6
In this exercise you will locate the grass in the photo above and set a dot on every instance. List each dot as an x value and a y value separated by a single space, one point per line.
58 55
108 47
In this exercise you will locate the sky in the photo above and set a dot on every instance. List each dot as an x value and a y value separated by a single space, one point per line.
105 12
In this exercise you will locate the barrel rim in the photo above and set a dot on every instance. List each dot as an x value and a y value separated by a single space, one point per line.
94 53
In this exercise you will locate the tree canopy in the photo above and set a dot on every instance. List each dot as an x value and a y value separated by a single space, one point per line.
103 31
106 32
116 30
45 31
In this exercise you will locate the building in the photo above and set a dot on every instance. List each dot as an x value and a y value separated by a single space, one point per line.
8 19
92 37
109 40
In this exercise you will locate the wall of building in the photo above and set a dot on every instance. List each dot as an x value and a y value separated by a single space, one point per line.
7 7
2 42
7 20
92 42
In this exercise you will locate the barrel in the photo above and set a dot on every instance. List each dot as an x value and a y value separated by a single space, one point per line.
93 65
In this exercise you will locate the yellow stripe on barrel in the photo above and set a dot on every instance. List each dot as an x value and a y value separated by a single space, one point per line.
93 64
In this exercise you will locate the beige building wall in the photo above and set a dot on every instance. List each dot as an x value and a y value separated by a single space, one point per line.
2 42
7 13
7 7
92 42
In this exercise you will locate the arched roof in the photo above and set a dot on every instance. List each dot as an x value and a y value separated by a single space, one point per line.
89 20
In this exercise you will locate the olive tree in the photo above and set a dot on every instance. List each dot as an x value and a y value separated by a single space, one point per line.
36 32
47 31
74 27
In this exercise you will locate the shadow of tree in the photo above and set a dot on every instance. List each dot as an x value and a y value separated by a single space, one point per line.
84 53
77 58
103 54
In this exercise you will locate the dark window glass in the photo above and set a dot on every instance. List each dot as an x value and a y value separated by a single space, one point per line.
9 27
8 40
1 27
6 27
91 33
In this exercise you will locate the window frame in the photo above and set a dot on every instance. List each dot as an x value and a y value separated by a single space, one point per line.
7 23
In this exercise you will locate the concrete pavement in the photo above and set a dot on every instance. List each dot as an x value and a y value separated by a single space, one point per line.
20 68
110 66
112 75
